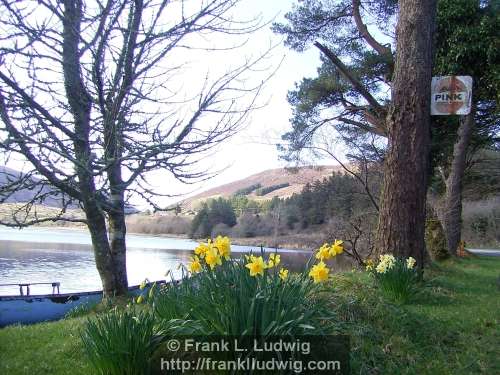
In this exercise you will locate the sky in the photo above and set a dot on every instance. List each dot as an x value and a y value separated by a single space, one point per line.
253 149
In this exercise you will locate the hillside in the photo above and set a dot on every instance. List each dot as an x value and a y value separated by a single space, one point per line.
26 195
296 180
52 199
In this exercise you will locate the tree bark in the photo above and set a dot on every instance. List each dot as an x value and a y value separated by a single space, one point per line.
117 233
401 226
452 213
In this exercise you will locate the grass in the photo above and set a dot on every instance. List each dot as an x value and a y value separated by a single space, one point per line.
46 348
451 327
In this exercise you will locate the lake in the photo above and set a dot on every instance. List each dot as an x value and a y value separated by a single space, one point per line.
65 255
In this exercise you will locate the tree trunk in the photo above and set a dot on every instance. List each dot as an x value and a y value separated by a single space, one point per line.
102 254
117 231
452 213
401 225
117 228
110 260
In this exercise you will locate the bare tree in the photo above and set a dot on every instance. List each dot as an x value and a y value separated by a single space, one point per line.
91 98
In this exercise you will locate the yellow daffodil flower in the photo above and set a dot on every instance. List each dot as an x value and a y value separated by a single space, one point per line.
283 274
195 265
381 268
256 266
212 257
337 248
387 261
369 265
250 258
140 299
319 272
202 249
274 260
410 263
223 245
324 252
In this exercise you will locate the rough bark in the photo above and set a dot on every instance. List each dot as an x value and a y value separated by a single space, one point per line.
401 225
452 212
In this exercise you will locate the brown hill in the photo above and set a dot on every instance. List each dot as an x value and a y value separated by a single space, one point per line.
296 178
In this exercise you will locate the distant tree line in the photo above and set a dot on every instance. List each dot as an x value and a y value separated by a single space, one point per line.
213 212
338 196
259 189
269 189
247 190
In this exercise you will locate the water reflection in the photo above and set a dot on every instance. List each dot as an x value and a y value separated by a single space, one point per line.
72 264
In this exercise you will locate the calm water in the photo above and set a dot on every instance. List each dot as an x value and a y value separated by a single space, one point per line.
46 255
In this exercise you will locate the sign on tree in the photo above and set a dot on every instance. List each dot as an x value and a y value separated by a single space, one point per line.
451 95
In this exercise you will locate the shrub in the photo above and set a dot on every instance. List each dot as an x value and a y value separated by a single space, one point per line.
154 224
250 225
221 229
481 226
120 342
397 278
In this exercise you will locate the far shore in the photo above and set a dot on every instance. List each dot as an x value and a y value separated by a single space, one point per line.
291 242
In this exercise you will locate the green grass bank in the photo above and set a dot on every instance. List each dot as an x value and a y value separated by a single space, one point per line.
451 327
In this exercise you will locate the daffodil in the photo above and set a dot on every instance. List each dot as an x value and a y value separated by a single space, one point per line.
337 248
323 252
140 299
410 263
250 258
256 266
274 260
283 274
223 245
195 265
212 257
369 265
388 258
381 268
319 272
202 249
387 261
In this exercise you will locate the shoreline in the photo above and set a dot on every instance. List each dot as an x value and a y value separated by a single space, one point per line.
284 242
